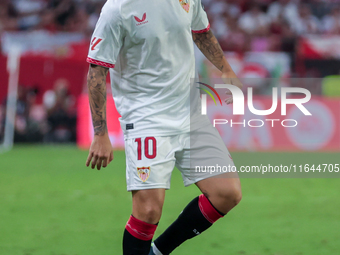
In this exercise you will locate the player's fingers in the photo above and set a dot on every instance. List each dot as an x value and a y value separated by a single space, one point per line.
111 157
105 161
94 161
89 158
99 163
229 100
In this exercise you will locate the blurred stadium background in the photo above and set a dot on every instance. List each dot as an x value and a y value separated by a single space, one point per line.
51 204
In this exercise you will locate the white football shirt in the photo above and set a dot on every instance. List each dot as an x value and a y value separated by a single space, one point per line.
148 46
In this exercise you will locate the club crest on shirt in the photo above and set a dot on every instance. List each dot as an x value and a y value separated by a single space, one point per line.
185 4
143 173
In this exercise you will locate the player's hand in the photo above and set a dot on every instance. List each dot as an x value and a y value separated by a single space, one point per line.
100 152
231 78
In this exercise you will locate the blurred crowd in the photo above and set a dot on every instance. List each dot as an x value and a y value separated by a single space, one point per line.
53 121
240 25
52 15
266 25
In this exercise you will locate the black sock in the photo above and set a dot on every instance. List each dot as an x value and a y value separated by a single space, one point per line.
137 237
190 223
135 246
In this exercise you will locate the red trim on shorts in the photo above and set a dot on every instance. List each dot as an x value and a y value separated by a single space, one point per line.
140 229
208 211
99 63
202 31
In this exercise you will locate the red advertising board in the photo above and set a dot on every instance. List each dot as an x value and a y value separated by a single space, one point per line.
42 73
320 131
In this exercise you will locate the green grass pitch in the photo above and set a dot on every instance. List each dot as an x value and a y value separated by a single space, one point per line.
51 204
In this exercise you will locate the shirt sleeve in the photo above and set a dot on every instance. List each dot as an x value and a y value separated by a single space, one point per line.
107 37
200 22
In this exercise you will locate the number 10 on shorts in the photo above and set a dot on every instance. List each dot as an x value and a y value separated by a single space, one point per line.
149 147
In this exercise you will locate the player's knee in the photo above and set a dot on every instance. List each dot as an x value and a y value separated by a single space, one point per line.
153 214
150 214
232 195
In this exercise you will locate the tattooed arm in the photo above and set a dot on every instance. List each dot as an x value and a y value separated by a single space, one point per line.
211 48
101 148
96 84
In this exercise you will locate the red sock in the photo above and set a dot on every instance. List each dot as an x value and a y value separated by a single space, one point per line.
208 210
140 229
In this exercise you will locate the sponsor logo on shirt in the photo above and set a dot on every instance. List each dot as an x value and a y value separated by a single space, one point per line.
185 5
95 41
142 20
143 173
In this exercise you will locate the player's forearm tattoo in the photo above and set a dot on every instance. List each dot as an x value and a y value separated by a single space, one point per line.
96 83
210 47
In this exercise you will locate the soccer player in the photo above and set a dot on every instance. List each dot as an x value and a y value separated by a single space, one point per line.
148 47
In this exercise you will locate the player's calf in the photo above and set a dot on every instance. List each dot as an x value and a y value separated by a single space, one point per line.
141 226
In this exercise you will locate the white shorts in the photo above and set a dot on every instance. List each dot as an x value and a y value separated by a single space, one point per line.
198 155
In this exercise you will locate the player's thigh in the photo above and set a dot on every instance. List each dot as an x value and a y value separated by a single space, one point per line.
147 204
149 163
205 156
